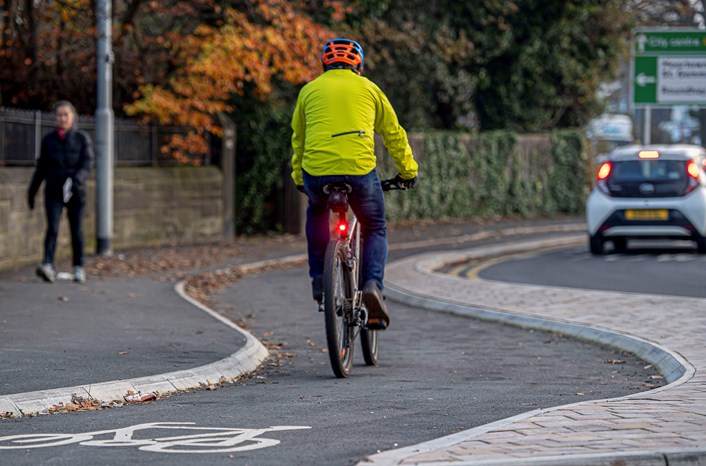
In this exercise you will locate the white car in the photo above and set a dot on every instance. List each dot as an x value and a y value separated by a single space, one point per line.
656 191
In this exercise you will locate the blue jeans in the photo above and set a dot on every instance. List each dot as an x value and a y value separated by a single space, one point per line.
368 204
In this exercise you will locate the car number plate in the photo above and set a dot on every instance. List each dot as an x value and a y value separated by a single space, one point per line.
647 214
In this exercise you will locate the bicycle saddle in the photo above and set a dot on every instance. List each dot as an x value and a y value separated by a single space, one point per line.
338 196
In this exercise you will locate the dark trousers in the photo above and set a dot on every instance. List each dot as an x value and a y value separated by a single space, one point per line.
74 208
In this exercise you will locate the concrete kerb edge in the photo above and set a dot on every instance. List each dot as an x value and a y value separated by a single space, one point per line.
669 363
665 360
637 458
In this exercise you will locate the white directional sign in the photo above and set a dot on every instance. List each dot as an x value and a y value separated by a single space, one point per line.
681 79
669 67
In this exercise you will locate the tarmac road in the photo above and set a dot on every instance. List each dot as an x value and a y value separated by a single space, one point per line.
669 268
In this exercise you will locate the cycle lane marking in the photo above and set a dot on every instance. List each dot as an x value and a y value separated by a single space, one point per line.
208 440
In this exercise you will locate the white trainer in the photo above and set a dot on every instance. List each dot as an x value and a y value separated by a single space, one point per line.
79 275
46 272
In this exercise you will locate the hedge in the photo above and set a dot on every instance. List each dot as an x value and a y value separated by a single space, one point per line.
494 174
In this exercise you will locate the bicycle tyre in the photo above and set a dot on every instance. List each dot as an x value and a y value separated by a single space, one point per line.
340 334
369 342
370 345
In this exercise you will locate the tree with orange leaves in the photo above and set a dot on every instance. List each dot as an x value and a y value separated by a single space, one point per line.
271 40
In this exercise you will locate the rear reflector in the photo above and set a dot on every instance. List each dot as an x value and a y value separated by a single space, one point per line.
648 154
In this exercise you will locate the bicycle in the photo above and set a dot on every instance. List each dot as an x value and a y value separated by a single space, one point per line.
345 314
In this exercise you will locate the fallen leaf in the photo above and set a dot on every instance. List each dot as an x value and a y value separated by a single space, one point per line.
615 361
64 299
648 385
656 377
122 353
580 394
6 415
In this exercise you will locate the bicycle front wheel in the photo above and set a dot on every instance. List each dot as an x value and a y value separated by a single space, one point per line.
338 309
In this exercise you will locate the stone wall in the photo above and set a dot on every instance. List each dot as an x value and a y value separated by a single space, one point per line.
152 207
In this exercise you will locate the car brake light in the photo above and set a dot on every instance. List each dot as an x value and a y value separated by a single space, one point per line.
602 177
694 176
604 171
692 169
648 154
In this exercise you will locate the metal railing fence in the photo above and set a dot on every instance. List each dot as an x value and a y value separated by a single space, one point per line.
136 144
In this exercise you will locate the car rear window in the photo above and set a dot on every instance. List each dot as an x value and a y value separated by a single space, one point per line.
667 177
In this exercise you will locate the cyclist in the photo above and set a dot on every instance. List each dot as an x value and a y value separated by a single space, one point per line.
333 126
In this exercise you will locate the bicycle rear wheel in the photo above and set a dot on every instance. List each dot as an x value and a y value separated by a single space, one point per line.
338 312
368 338
369 344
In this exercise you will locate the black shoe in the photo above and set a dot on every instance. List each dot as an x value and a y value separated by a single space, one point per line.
317 289
378 317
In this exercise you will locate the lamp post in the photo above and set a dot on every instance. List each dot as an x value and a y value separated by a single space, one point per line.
104 130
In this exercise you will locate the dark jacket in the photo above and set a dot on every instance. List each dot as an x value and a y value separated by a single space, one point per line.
60 159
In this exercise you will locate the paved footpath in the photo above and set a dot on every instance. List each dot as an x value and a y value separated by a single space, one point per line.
666 426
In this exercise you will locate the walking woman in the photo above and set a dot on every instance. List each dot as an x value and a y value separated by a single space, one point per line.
64 162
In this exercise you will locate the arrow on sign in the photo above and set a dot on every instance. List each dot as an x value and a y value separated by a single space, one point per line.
643 80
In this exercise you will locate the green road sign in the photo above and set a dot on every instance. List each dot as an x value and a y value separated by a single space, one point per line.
669 67
670 42
645 80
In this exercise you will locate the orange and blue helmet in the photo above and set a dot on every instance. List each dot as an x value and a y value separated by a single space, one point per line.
342 51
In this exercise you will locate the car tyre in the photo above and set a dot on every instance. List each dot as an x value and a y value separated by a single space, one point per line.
701 244
596 244
620 244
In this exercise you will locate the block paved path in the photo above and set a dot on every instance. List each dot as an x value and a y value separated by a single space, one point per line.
662 426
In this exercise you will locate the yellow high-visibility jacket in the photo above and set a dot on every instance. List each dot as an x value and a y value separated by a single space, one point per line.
334 123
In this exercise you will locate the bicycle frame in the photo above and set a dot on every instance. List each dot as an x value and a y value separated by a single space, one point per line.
347 228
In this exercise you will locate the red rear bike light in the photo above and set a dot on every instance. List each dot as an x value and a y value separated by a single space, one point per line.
342 227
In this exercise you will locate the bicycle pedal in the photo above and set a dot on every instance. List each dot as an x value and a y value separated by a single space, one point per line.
376 325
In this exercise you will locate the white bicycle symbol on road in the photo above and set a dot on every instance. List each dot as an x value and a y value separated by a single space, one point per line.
208 440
